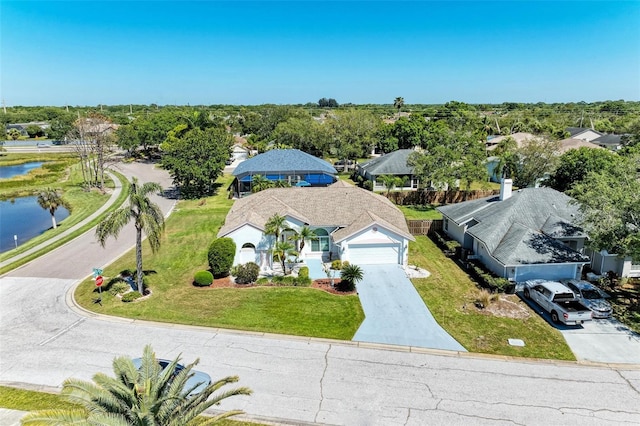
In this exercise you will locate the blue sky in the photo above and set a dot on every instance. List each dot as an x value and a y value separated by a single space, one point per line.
142 52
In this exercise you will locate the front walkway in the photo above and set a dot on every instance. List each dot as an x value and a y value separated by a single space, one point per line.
316 269
396 314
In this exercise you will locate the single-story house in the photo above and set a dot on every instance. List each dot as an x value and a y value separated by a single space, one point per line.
394 163
350 224
520 235
520 138
583 133
292 165
239 152
604 140
574 143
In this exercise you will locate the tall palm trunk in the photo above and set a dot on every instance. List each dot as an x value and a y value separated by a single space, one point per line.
139 275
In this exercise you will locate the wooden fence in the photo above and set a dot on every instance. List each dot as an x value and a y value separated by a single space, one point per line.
424 227
420 197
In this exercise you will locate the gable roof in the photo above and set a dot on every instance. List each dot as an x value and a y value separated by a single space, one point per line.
394 163
574 131
521 228
608 140
520 138
283 160
347 207
573 143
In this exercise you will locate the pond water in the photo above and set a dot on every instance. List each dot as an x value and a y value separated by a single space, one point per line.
25 218
19 169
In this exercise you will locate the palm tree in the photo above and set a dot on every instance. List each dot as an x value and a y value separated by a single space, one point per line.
349 276
275 225
51 200
148 395
391 181
282 250
398 103
305 233
259 183
146 215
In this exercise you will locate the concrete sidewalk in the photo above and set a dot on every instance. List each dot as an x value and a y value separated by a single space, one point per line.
114 196
10 417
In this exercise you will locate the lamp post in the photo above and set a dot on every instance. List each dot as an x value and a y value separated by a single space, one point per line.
15 240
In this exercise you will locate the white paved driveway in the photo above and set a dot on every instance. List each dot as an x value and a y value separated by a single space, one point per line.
395 313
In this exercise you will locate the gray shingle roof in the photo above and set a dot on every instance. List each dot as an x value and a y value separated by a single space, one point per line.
577 130
609 140
349 208
521 228
283 160
394 163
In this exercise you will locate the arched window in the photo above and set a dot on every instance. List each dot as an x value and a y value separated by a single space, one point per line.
248 245
322 243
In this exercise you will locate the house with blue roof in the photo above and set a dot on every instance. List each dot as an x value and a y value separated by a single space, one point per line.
292 165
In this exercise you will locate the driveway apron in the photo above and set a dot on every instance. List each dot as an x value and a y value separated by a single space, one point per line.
396 314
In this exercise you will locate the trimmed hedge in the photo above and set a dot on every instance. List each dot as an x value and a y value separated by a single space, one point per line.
221 254
288 281
303 272
203 279
488 279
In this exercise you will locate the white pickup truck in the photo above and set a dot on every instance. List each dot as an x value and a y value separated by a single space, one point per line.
558 300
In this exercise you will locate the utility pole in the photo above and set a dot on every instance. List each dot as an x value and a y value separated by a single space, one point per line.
4 106
130 109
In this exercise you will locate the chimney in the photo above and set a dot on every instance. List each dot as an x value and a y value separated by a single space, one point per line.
505 188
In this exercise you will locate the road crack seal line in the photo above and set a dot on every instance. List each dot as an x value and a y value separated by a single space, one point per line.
324 372
61 332
628 382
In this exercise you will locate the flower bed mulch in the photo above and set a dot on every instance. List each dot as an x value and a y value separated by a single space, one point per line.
322 284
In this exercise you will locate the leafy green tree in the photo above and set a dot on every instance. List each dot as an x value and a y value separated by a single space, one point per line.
146 216
196 159
508 160
34 131
303 133
350 275
127 138
410 132
575 164
50 199
60 126
148 395
537 158
14 134
610 204
353 133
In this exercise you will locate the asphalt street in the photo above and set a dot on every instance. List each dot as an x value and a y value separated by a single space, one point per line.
46 339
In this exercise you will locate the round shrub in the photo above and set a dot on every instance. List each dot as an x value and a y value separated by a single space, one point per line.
345 263
203 278
303 272
221 254
131 296
247 273
336 264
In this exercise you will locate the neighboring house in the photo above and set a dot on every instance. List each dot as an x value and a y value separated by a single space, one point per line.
394 163
612 142
583 133
351 224
520 138
292 165
603 262
239 152
574 143
520 235
604 140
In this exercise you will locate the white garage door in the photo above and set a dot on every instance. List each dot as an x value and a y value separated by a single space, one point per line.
374 254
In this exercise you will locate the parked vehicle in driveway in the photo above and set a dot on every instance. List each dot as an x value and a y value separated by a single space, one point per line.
198 381
557 299
591 296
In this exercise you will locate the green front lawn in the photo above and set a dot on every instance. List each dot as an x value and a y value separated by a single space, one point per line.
449 294
189 231
426 212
